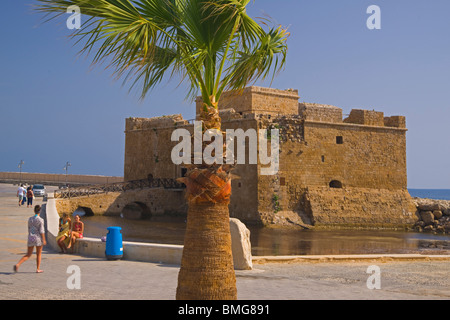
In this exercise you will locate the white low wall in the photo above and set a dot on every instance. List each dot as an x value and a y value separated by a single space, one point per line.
135 251
147 252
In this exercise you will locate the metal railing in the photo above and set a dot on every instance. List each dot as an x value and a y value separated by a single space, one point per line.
86 191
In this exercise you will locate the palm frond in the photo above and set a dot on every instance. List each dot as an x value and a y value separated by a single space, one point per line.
267 56
211 44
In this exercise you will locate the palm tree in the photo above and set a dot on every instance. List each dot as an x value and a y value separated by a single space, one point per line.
214 46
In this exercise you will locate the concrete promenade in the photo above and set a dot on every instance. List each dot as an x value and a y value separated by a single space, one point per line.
300 279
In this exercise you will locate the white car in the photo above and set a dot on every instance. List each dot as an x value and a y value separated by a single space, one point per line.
39 190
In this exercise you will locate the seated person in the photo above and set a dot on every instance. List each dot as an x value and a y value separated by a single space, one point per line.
63 238
77 231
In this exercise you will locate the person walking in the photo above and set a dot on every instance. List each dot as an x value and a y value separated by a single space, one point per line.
24 198
30 196
20 192
36 238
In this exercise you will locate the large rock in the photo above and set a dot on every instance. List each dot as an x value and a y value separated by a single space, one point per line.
437 214
241 246
428 205
433 205
427 217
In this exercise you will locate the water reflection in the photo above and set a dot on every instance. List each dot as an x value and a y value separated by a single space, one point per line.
318 242
153 231
266 241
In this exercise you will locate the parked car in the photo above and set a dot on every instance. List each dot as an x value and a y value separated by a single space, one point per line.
39 190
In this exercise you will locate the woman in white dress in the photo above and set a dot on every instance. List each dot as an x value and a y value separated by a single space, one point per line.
36 238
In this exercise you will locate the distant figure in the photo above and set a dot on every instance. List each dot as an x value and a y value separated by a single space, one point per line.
20 193
24 198
36 238
30 196
63 237
77 231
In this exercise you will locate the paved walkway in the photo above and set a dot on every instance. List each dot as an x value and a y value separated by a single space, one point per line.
110 280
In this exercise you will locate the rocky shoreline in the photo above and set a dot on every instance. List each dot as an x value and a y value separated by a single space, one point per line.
433 215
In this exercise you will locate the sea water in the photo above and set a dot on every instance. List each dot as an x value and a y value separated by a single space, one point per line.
268 241
438 194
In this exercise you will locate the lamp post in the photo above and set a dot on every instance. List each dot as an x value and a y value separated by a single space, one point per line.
21 163
66 167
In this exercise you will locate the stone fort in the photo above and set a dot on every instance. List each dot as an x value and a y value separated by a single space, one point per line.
333 170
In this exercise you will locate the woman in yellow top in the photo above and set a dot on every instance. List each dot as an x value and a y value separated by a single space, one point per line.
63 238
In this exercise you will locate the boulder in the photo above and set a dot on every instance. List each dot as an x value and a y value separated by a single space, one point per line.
427 205
440 229
433 205
427 217
240 245
437 214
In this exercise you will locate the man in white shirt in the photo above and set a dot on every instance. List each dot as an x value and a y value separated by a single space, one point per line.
20 193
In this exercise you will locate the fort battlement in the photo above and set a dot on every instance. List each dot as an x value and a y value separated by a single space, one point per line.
257 101
151 123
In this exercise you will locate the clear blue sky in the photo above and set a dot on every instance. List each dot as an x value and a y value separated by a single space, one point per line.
56 108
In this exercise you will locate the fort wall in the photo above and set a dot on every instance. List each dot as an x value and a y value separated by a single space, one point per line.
332 170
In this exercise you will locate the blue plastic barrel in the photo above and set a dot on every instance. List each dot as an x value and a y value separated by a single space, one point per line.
114 248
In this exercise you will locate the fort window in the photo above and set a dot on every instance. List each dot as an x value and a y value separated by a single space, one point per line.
239 185
336 184
339 140
323 158
282 181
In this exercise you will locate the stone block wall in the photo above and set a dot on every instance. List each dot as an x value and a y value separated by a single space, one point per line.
320 112
258 100
158 202
366 117
148 147
361 206
395 121
357 156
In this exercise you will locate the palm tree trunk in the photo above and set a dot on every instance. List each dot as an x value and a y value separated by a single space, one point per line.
207 271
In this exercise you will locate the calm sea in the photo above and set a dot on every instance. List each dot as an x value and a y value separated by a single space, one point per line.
439 194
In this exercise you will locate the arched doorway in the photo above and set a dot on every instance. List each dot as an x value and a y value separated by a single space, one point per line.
136 211
83 212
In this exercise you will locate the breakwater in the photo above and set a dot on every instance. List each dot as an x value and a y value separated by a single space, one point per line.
55 179
433 215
